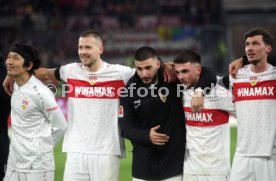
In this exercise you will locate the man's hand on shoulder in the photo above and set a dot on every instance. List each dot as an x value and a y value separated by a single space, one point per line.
235 66
197 102
169 72
8 85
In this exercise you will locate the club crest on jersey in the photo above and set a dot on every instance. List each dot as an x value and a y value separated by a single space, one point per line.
163 98
92 79
24 105
253 80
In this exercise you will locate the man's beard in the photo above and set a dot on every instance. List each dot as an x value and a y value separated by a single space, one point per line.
153 81
254 61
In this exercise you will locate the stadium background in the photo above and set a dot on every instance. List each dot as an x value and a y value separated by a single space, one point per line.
213 28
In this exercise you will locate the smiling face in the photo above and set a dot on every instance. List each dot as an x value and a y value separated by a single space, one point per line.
15 68
256 49
90 50
188 73
147 70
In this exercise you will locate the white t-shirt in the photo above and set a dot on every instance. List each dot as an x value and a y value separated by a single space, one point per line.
208 133
37 125
93 103
255 101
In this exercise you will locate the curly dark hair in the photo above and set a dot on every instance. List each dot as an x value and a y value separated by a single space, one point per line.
267 38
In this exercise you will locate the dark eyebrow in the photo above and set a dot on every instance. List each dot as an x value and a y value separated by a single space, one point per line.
184 70
147 67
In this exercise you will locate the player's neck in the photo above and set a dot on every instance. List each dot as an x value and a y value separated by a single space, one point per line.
95 67
22 79
259 67
193 85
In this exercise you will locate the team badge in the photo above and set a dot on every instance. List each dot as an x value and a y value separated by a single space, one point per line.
121 111
163 98
253 80
25 104
137 103
92 79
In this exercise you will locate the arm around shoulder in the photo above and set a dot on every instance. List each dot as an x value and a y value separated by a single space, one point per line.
8 85
45 74
236 65
207 79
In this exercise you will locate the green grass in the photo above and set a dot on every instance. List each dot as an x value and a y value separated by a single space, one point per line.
233 141
125 169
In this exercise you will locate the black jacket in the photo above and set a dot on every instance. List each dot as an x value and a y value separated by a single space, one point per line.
140 114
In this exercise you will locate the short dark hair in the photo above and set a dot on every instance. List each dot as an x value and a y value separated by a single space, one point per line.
267 38
144 53
93 33
29 54
186 56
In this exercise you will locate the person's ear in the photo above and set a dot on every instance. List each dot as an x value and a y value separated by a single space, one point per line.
198 69
101 49
29 67
268 48
158 64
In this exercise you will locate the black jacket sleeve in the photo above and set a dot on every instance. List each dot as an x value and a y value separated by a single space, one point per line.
226 81
57 74
128 123
207 79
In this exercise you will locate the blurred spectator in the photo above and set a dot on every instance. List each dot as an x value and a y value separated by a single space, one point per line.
45 22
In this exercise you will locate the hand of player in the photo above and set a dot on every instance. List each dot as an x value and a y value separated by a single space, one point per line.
235 66
8 85
158 138
169 72
197 102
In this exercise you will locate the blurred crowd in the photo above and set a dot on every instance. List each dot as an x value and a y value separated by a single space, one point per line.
54 25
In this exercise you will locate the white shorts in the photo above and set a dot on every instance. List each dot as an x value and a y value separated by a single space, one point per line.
253 168
87 167
22 176
175 178
195 177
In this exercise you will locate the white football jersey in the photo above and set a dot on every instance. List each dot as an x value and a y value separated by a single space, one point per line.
208 133
255 101
93 105
37 125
